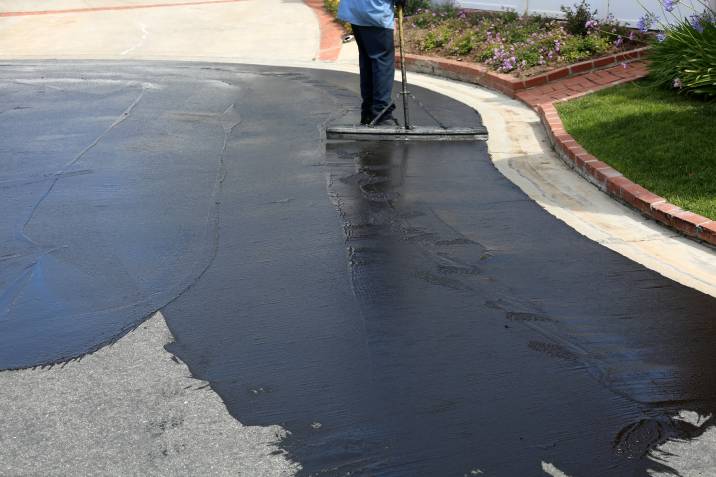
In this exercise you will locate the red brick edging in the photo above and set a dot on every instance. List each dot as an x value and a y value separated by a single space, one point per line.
565 84
616 185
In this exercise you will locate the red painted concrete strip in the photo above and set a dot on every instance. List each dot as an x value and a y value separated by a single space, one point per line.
113 8
331 32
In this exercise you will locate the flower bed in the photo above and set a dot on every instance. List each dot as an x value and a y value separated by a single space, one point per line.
522 46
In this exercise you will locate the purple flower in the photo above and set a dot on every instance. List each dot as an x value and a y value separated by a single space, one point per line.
677 83
591 24
646 22
619 42
695 21
632 36
642 25
660 37
669 5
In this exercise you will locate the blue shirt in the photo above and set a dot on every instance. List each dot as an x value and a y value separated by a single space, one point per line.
376 13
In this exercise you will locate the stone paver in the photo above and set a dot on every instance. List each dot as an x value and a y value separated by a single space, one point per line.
570 88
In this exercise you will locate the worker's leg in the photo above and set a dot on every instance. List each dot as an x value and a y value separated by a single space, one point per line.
366 76
378 45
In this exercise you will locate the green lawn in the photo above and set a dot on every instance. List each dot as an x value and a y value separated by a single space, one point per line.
658 139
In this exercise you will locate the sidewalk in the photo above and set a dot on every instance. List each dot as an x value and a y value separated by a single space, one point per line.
247 31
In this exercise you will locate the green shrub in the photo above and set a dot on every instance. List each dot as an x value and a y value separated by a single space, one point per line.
465 44
577 48
686 58
436 39
412 6
530 57
577 16
447 8
510 15
331 6
424 20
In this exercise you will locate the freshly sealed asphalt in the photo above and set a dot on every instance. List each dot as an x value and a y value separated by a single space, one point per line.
401 309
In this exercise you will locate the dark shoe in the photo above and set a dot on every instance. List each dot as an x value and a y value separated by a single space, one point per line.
387 120
365 119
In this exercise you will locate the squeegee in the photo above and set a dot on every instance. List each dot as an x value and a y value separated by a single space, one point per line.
406 132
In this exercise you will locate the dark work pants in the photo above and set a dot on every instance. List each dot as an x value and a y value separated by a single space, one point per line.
377 69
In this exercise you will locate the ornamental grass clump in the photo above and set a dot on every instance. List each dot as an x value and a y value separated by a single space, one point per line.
683 55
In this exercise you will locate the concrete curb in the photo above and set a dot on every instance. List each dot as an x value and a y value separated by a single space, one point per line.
606 178
619 187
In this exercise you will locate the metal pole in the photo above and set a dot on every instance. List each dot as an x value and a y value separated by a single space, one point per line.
404 93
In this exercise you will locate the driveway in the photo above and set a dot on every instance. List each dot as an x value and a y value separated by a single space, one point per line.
359 308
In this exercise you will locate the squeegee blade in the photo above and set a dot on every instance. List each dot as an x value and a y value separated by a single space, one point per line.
367 133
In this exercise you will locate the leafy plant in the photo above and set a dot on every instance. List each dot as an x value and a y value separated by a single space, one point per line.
578 48
331 6
446 9
424 19
436 39
577 17
414 6
510 15
465 44
685 58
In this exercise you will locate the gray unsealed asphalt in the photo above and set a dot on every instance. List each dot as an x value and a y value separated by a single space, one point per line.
130 409
401 309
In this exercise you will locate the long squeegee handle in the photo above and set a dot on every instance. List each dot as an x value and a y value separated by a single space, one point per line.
404 92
